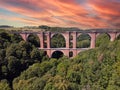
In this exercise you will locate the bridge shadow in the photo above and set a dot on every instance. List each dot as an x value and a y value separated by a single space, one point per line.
57 54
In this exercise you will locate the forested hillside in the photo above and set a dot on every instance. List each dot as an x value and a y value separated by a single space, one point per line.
24 67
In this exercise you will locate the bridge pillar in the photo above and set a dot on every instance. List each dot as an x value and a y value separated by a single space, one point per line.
66 52
48 39
24 36
74 53
67 37
41 40
74 39
93 39
49 53
112 36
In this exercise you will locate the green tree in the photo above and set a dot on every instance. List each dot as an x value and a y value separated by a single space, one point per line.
14 66
61 83
16 38
83 41
114 82
62 69
57 41
102 39
4 85
34 40
36 54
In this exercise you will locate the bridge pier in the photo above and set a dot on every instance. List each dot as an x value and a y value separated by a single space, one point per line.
66 52
24 36
74 52
40 35
49 53
93 39
67 38
74 39
41 40
112 36
48 39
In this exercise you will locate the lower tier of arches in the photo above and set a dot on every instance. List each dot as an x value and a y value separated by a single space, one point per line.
59 52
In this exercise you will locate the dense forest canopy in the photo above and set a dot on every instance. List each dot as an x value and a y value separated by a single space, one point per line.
24 67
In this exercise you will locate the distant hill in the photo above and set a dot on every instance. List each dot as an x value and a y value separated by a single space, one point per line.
5 26
53 29
48 28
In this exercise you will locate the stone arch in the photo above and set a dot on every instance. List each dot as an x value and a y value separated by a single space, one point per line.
58 41
52 34
57 54
83 40
24 36
34 39
108 34
102 38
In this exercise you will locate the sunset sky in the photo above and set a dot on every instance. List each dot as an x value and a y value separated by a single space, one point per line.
65 13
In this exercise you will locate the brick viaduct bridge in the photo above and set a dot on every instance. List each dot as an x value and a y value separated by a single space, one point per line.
66 34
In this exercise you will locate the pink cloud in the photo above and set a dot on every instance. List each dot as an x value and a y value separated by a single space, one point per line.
93 14
108 10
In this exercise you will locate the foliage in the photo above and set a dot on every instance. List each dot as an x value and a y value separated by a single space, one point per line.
4 85
83 41
16 55
25 68
34 40
58 41
102 39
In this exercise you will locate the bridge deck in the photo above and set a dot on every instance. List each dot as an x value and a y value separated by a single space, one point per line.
78 31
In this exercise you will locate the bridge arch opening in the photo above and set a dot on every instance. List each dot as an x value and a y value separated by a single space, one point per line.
16 38
83 40
58 41
45 53
34 40
118 37
70 54
57 54
101 39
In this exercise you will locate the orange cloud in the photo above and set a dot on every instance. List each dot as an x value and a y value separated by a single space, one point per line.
108 10
91 14
106 6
